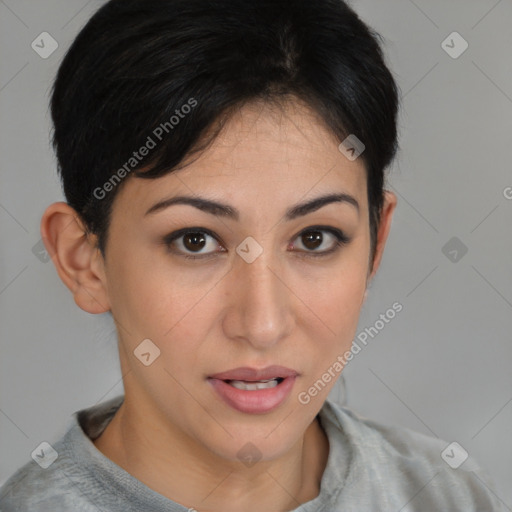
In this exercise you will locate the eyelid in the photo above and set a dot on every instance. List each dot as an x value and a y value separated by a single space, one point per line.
340 239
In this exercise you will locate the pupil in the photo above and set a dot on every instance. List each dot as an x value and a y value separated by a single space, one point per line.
312 239
195 238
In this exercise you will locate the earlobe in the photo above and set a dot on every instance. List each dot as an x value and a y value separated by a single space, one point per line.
390 201
75 256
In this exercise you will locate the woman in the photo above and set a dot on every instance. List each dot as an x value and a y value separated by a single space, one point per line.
223 164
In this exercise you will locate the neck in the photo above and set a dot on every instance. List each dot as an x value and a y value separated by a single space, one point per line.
206 481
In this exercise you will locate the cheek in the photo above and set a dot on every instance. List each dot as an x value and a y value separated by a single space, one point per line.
336 294
152 298
151 301
335 315
334 302
331 328
145 296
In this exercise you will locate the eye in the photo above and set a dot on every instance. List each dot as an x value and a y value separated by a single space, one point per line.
190 242
193 240
312 238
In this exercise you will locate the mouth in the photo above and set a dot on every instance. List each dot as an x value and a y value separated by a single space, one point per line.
254 385
254 391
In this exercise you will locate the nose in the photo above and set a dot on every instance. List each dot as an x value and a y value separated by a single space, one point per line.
260 303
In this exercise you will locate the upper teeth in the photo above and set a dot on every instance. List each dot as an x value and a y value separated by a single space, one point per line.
253 386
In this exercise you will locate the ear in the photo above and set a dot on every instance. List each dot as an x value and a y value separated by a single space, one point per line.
78 261
388 208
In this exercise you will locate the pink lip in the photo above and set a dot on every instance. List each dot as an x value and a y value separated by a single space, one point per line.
259 401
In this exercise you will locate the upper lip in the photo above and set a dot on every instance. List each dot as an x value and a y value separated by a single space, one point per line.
247 373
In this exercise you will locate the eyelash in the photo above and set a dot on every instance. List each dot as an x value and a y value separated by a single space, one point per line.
341 239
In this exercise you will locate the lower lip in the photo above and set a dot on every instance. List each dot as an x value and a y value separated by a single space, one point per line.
254 402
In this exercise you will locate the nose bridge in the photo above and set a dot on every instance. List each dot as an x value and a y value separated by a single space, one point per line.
260 309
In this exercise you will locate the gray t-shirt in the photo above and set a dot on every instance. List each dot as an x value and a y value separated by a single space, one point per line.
371 467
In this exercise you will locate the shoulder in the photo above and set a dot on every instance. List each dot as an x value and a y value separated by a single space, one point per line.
400 467
60 476
39 487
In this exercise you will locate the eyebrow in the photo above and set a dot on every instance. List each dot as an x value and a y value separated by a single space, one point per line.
224 210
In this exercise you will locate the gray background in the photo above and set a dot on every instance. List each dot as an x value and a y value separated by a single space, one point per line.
441 366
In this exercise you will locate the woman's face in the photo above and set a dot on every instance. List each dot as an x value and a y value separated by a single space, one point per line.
266 288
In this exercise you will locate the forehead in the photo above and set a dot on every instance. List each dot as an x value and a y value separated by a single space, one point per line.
278 152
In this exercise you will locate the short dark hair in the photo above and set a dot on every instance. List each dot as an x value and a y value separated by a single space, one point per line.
137 65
